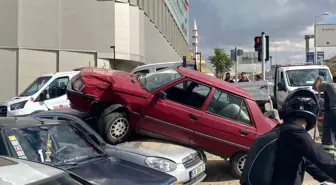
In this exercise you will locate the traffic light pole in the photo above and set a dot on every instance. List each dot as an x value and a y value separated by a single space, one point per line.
263 55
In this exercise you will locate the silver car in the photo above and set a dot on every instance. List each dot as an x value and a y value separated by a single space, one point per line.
21 172
186 164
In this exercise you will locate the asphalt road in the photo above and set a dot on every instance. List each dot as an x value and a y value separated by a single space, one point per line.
217 170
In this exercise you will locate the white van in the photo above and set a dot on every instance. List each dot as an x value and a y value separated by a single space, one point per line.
45 93
291 77
148 68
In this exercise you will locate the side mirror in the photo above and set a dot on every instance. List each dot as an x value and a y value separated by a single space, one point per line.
161 95
43 96
281 87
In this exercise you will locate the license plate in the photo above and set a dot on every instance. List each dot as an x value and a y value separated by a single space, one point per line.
193 173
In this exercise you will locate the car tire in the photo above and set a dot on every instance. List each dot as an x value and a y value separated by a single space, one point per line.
117 128
236 164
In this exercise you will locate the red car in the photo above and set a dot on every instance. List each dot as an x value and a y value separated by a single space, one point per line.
176 104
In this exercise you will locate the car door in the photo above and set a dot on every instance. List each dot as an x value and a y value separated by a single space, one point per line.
83 127
281 95
174 116
55 94
226 125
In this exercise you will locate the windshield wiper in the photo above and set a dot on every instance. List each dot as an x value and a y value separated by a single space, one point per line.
61 163
93 157
96 156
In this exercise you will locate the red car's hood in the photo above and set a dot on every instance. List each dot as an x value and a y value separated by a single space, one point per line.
108 79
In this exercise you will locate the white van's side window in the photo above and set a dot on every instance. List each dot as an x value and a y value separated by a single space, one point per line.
57 88
142 72
158 69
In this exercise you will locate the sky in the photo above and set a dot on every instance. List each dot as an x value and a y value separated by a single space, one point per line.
230 23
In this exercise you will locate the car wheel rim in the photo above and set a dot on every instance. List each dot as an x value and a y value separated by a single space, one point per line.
119 128
241 163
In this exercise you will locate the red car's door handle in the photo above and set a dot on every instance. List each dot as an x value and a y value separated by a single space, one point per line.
193 116
243 131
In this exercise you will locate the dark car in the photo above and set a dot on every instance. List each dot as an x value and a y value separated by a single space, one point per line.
3 110
141 150
63 145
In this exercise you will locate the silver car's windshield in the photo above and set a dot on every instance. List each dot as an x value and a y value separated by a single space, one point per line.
306 77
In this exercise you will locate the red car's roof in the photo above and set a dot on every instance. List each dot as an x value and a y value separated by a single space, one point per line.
214 82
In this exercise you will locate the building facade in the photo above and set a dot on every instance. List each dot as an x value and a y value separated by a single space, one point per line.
331 63
43 36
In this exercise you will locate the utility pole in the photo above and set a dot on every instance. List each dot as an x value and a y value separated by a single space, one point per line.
263 55
235 53
271 63
236 57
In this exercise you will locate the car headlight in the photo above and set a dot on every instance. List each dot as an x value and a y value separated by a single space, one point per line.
19 105
161 164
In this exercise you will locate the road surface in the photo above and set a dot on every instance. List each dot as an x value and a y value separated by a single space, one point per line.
218 173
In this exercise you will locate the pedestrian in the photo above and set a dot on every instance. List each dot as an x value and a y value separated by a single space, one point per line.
257 77
228 78
329 124
243 78
284 158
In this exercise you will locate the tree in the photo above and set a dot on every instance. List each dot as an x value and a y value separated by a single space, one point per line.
221 61
190 55
331 67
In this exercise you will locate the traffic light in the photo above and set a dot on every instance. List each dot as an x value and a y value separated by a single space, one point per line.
257 44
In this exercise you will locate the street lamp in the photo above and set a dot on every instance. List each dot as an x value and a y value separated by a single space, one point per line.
315 53
113 47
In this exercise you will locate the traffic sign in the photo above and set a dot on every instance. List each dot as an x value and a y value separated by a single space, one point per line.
310 57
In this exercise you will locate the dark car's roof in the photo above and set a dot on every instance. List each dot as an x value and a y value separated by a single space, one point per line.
68 111
19 121
214 82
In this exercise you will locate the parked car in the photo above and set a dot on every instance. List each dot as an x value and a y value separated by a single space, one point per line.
44 93
148 68
3 110
62 144
176 104
186 164
23 172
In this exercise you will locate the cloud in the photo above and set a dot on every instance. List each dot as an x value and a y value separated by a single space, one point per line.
230 23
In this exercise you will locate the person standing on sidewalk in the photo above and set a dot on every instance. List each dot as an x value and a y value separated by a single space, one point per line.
243 77
329 123
228 78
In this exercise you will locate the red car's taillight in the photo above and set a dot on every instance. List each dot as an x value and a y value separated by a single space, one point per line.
78 85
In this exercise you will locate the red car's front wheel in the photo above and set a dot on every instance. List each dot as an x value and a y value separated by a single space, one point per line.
117 128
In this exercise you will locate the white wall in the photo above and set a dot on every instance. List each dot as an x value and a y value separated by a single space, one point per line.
71 60
8 23
7 73
122 30
34 63
157 49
